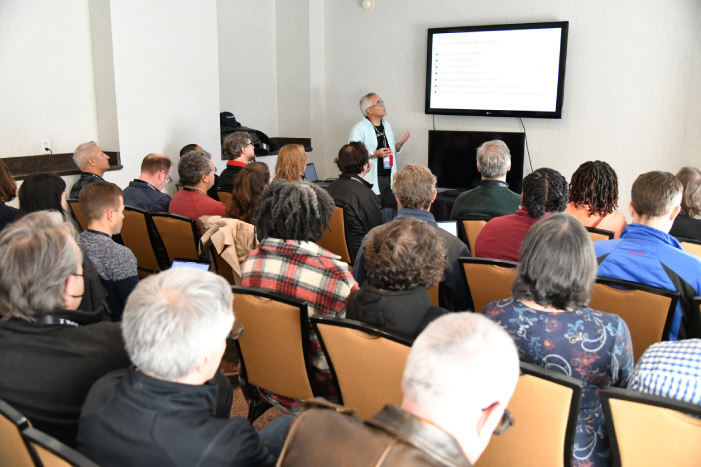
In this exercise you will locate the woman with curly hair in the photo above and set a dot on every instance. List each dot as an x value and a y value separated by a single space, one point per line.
291 162
8 192
688 222
403 259
290 217
594 197
248 187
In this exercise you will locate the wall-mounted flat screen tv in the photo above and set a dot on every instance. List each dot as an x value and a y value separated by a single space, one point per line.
508 70
452 157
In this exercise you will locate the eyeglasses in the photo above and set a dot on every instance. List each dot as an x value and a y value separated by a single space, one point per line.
380 102
236 331
250 144
77 275
506 421
170 180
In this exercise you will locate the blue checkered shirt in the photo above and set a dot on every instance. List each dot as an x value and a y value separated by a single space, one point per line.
671 369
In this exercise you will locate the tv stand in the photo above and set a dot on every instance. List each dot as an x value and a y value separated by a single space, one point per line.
453 193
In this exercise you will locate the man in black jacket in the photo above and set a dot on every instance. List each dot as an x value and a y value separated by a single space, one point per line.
351 192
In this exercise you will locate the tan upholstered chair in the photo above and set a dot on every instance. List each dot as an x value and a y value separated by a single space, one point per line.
13 450
77 214
179 235
366 362
487 279
274 348
434 293
469 228
545 407
648 311
224 269
179 186
600 234
135 235
691 246
53 453
224 196
649 430
334 240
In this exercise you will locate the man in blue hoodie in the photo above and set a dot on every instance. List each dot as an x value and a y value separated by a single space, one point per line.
646 253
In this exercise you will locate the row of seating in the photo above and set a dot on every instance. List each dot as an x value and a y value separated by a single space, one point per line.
275 356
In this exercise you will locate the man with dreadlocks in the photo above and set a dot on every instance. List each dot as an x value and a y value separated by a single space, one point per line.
544 192
290 217
594 197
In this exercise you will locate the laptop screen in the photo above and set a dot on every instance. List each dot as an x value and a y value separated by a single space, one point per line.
310 173
185 263
450 227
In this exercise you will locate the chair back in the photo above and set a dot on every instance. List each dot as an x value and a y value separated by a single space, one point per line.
470 227
600 234
136 237
545 407
179 235
274 348
224 269
334 240
648 311
646 429
179 186
691 246
77 214
434 293
224 196
366 362
487 279
53 453
13 450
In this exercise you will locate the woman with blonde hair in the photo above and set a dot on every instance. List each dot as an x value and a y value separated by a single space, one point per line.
291 162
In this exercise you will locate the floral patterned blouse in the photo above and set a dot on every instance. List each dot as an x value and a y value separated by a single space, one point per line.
585 344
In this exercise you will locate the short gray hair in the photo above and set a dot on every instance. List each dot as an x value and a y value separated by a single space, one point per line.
460 358
173 319
494 158
192 166
37 256
234 144
655 193
82 153
366 103
413 185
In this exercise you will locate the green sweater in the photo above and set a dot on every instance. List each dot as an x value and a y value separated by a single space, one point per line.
486 200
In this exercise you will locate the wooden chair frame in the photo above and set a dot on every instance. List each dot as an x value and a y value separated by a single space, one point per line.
606 233
193 225
149 225
33 436
462 233
689 240
357 326
74 202
256 408
502 263
227 194
609 393
9 412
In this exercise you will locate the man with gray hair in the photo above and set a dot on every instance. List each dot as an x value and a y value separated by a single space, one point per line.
196 172
162 410
493 197
51 353
415 189
460 375
377 135
239 149
92 162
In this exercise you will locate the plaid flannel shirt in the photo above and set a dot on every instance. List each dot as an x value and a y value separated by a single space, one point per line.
306 271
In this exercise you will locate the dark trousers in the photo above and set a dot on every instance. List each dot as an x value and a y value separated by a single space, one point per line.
387 198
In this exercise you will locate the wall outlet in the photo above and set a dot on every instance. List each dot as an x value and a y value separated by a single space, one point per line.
46 145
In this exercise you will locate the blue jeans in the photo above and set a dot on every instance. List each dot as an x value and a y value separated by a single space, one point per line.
273 435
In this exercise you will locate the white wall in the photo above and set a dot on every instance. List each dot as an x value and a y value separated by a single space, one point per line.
166 80
631 97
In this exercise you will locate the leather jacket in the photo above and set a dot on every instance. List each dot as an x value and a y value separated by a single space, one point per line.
329 434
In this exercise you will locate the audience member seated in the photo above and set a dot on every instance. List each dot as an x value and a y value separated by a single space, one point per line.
92 162
646 253
552 326
594 197
458 380
493 197
403 259
196 172
670 369
145 192
103 208
212 192
239 149
361 206
8 192
544 192
161 411
291 162
50 354
248 187
688 222
290 217
415 189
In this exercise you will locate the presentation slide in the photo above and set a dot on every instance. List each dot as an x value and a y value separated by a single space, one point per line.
514 70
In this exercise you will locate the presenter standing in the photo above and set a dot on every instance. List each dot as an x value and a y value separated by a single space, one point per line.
377 135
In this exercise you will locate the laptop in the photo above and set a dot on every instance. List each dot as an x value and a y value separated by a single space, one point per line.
311 176
188 263
450 227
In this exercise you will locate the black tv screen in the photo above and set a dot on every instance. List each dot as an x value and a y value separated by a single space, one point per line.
509 70
452 157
